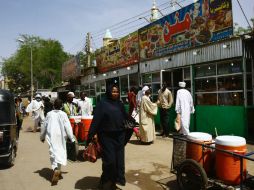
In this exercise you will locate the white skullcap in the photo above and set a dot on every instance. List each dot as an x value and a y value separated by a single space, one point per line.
144 89
37 96
71 94
182 84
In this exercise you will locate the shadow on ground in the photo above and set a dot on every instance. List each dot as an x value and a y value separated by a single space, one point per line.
146 180
47 173
136 142
87 183
30 129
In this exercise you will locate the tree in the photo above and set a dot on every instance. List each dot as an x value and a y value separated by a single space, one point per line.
239 30
48 57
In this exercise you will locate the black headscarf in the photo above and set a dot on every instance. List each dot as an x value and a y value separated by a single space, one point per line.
109 91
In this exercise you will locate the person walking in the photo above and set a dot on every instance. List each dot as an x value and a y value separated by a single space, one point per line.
37 108
108 124
19 115
132 100
56 130
148 110
184 107
165 101
48 106
85 106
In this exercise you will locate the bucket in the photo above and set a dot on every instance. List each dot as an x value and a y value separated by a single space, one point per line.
74 120
84 128
227 165
195 152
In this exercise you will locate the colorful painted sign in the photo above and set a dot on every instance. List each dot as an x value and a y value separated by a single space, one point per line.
129 50
119 53
199 23
107 57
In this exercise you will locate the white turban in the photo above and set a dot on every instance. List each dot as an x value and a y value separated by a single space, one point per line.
182 84
71 94
37 96
144 89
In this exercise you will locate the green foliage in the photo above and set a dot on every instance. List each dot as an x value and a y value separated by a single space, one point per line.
83 59
48 57
239 30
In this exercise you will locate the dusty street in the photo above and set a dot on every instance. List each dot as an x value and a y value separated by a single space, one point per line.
147 167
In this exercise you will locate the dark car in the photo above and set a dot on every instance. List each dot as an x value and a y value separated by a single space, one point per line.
8 128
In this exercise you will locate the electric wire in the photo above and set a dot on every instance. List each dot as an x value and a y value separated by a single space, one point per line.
116 26
134 17
120 24
244 14
119 31
126 26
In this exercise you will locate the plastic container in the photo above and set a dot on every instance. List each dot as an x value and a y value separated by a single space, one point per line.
195 152
84 128
74 120
227 165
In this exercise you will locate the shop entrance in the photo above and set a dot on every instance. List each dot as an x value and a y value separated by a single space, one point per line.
173 77
111 81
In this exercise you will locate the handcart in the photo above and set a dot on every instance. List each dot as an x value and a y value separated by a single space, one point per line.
80 127
200 168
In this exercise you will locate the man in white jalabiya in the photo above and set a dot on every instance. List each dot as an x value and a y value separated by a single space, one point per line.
85 106
37 108
56 130
184 107
148 110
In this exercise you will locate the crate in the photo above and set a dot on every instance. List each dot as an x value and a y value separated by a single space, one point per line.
179 151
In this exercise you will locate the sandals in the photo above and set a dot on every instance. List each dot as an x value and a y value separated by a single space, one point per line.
55 177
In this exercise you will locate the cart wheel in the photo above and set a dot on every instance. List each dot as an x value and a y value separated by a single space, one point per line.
191 176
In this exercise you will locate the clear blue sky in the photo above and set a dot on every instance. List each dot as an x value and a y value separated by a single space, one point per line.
69 20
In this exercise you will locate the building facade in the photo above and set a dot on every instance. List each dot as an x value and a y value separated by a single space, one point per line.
194 44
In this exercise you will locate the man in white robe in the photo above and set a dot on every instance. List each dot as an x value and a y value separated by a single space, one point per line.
148 110
37 108
56 130
85 106
184 107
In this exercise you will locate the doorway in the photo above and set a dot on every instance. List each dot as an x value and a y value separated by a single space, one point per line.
112 81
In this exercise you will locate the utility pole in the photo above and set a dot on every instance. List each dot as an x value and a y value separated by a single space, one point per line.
88 49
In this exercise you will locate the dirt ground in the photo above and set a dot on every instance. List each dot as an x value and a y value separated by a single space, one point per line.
147 166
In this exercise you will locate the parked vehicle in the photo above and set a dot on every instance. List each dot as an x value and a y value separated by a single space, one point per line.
8 128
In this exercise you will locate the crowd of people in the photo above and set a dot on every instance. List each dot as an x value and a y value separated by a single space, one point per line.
107 124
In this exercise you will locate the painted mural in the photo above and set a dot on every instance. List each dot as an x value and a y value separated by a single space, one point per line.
119 53
199 23
107 57
129 50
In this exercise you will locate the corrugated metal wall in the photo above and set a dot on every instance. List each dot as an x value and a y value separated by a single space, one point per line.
119 72
232 48
218 51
